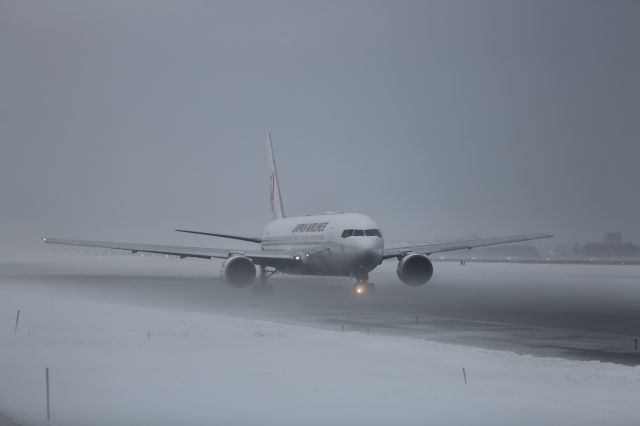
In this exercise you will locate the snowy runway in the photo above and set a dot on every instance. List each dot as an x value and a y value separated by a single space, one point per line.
152 354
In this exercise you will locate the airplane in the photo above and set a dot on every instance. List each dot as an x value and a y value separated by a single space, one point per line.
331 244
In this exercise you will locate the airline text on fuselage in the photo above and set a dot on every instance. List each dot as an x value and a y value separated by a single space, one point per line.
310 227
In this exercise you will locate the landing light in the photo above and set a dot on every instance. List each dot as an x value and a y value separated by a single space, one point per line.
359 290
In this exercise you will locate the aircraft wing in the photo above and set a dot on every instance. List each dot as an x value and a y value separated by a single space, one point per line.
458 245
259 257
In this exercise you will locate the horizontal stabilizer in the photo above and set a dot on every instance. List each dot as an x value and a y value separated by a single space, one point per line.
232 237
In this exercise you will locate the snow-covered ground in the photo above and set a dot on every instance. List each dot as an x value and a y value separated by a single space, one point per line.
116 364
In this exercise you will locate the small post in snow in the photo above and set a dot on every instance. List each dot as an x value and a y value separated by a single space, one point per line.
464 375
635 343
417 319
342 327
46 375
15 329
148 335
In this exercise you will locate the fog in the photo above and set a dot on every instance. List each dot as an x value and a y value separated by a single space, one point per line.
586 312
124 120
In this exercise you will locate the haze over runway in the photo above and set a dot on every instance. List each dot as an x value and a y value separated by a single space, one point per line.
141 340
577 312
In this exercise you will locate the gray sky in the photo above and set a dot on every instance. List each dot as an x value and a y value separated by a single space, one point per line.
123 120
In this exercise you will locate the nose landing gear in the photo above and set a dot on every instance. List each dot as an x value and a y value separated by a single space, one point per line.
362 285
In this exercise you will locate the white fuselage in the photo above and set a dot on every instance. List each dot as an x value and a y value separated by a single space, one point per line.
330 244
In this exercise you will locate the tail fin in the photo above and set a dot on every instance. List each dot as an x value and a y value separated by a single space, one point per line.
275 197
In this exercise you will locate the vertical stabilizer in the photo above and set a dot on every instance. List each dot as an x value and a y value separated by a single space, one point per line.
275 197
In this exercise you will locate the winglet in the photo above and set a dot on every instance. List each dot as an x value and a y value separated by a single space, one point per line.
275 197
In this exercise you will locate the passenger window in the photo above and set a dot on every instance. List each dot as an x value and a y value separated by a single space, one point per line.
358 233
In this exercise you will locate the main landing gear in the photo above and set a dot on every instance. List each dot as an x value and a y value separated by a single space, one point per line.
362 285
261 288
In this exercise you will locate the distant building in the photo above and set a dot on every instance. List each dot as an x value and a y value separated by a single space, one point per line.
612 246
613 238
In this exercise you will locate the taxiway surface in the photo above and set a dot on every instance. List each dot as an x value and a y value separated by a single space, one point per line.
572 311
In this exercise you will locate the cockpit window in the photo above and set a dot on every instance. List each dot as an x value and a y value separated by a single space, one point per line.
347 233
360 233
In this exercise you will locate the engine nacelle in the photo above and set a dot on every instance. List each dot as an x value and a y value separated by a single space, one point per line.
238 271
415 269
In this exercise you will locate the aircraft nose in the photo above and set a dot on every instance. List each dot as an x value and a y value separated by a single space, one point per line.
371 252
371 257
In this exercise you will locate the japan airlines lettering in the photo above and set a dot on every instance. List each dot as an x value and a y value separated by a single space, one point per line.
310 227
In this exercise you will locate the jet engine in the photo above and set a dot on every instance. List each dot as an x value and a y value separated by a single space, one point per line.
415 269
238 271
